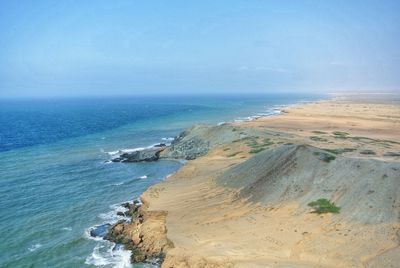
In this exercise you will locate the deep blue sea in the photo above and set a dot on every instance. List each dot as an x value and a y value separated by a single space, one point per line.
56 181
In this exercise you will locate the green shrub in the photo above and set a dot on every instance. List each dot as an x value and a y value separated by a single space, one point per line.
340 150
325 157
318 132
255 151
233 154
340 135
324 206
267 142
316 138
368 152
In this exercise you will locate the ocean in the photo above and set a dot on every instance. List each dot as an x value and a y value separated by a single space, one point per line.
56 180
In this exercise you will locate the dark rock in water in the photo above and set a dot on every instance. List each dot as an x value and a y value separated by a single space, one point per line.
160 145
100 230
126 205
147 154
117 159
132 208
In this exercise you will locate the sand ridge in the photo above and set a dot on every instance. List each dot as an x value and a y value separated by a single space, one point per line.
213 225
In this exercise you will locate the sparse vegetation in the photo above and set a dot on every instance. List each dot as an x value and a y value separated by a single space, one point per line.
226 149
391 154
233 154
316 138
325 156
318 132
367 152
340 134
267 142
257 150
340 150
254 143
323 205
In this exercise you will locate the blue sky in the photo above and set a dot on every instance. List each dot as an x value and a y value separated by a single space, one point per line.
69 48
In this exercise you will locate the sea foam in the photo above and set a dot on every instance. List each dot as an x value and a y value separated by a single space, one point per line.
109 254
35 247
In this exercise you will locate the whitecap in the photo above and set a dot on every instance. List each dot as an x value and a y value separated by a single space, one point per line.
132 150
67 228
35 247
113 152
108 254
168 139
111 216
143 177
88 236
169 175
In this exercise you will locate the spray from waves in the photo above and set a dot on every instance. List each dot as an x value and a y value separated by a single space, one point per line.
117 183
35 247
128 181
276 110
108 254
116 214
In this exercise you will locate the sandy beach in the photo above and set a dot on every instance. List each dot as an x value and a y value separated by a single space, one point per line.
244 203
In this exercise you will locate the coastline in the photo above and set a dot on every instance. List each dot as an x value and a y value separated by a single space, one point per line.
109 252
160 228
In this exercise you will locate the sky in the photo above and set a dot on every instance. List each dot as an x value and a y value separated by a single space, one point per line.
85 48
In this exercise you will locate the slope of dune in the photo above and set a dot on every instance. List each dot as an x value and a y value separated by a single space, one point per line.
368 190
242 202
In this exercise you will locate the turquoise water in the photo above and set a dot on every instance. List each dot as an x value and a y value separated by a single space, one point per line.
55 178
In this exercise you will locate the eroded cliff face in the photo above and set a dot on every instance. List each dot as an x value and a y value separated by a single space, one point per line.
145 235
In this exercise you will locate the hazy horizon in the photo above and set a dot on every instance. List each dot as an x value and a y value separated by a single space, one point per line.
128 48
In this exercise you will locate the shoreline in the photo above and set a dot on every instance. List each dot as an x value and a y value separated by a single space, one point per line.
277 110
100 228
157 230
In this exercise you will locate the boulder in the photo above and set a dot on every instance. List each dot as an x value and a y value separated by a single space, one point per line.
100 230
147 154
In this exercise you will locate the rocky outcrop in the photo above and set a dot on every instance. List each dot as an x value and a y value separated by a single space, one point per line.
141 155
198 140
145 235
189 149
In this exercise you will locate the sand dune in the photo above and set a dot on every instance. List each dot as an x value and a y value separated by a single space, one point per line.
244 202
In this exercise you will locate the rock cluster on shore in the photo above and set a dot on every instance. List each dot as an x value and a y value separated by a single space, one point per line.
141 155
144 236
